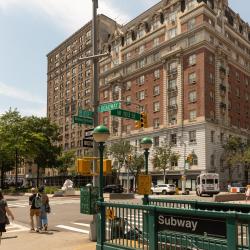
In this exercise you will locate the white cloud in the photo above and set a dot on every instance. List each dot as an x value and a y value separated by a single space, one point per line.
15 93
69 14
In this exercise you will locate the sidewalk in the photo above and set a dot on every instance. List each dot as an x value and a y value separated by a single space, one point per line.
52 240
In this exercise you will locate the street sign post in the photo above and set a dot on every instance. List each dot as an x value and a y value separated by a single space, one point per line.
82 120
109 106
126 114
85 113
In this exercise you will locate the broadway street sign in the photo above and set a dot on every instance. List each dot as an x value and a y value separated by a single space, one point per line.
126 114
193 225
109 106
82 120
85 113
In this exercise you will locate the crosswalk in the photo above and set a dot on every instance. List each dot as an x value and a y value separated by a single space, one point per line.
25 203
14 228
131 222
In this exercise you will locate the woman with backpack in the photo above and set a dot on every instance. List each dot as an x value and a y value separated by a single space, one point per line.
35 203
45 209
3 217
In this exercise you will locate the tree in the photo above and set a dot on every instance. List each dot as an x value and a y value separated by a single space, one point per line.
65 161
233 151
42 139
135 165
119 151
162 158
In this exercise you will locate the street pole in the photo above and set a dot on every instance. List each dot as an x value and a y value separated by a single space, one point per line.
95 92
127 178
101 149
16 156
146 154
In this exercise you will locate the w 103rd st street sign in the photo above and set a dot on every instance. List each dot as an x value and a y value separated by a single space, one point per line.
82 120
109 106
126 114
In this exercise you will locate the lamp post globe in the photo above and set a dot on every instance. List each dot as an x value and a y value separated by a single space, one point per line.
146 143
101 133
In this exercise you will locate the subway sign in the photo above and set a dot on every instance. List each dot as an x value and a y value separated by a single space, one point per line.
193 225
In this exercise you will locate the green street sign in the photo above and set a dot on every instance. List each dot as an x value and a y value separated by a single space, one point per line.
126 114
82 120
109 106
85 113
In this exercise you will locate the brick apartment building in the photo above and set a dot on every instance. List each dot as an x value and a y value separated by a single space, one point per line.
184 62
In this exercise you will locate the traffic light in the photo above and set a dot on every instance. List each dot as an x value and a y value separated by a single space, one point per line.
107 167
144 120
138 124
83 166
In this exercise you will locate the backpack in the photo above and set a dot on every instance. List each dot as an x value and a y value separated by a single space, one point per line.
38 201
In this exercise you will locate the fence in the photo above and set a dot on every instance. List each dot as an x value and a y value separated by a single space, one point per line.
189 204
125 226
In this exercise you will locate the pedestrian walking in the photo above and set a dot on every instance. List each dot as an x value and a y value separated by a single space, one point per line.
35 203
4 220
45 209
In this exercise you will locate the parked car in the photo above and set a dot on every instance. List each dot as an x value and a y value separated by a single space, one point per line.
163 189
113 189
236 187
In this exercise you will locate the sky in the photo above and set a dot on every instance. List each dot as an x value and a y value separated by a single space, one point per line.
30 29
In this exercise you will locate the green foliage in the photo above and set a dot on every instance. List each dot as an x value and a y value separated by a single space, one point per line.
162 158
51 190
66 161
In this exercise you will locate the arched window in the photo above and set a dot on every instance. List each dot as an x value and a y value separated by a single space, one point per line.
194 160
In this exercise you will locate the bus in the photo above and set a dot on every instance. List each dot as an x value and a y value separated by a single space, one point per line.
207 183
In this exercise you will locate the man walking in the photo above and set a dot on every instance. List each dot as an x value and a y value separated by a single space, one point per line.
35 203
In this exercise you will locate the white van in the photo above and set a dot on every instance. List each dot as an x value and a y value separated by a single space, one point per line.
207 184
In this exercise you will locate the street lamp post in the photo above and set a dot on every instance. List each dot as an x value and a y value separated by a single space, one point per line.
146 144
100 135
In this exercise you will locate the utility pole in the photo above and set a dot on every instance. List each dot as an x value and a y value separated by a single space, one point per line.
95 92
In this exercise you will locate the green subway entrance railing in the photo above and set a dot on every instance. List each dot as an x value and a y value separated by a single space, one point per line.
171 228
171 203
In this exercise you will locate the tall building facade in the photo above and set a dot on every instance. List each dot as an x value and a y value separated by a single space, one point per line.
186 64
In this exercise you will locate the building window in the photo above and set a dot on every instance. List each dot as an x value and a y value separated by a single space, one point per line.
191 40
141 63
192 115
212 136
128 100
194 160
237 92
192 136
156 123
157 74
191 4
192 78
141 32
156 90
211 95
173 139
173 66
212 161
106 94
172 101
172 119
128 85
192 96
155 23
105 120
172 33
156 141
172 84
156 106
211 78
141 49
192 60
141 80
141 95
156 42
